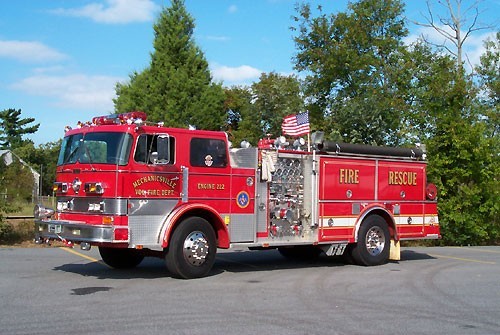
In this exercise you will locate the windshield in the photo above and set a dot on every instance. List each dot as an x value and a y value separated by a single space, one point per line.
96 148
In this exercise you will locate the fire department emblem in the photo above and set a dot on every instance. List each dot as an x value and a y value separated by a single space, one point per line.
209 160
243 199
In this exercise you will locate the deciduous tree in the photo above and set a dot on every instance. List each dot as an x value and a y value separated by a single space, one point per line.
352 64
489 75
242 121
464 163
365 85
257 111
455 26
42 158
274 97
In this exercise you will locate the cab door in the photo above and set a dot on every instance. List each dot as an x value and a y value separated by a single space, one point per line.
209 173
153 186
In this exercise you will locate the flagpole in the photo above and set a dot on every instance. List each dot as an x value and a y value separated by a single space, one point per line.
309 142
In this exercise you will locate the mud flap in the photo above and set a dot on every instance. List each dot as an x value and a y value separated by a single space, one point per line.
395 251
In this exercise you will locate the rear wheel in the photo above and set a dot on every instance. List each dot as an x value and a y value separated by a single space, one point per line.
120 258
373 243
192 248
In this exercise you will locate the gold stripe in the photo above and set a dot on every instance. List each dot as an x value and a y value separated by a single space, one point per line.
462 259
478 250
71 251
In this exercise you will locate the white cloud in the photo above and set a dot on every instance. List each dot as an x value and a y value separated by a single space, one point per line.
114 11
29 51
49 69
218 38
475 46
232 9
75 91
431 35
235 75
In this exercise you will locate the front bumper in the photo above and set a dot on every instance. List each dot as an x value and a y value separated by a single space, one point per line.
73 231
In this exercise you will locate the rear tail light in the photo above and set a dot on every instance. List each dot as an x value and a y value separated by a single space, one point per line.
121 234
431 191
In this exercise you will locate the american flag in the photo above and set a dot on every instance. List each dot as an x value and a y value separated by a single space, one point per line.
296 125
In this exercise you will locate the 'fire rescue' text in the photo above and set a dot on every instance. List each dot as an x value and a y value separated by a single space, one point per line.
402 178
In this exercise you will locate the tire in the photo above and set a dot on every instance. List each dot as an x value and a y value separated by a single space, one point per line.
301 252
373 243
120 258
347 255
192 248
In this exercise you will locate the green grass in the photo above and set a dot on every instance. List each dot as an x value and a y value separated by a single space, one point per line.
16 231
19 231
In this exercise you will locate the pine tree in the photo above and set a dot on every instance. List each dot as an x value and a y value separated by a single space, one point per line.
177 86
12 128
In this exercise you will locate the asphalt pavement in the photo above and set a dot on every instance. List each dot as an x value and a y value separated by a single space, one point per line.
430 291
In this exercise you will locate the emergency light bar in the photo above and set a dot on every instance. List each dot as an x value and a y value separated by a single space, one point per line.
128 118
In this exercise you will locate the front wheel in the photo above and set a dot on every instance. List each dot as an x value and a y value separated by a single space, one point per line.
120 258
192 248
373 243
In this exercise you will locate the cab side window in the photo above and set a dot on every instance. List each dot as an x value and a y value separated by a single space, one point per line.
205 152
147 145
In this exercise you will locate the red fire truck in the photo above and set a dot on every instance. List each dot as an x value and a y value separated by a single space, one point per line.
136 189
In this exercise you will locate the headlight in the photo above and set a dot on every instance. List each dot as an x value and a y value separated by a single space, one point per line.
62 206
96 207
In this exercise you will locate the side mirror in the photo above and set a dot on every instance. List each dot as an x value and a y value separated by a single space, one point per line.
162 156
153 157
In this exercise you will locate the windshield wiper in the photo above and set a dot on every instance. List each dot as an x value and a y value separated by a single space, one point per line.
87 152
72 153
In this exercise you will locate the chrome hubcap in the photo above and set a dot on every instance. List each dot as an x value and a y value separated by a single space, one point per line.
195 248
375 241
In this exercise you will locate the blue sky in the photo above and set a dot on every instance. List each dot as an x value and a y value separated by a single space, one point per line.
60 59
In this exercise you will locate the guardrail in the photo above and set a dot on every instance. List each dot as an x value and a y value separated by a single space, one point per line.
19 217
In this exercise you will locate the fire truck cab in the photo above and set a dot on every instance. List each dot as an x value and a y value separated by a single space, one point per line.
136 189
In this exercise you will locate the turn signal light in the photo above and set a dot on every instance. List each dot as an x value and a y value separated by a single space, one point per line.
108 220
60 187
94 188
